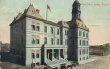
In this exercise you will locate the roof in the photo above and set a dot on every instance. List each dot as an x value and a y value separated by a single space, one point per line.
18 16
76 2
78 23
63 24
31 12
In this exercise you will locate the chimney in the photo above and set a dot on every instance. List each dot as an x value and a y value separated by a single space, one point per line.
37 10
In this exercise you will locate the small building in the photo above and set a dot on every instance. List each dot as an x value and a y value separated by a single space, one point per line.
4 51
97 50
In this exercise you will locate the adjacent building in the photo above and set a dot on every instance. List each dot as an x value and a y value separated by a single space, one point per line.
97 50
37 41
78 46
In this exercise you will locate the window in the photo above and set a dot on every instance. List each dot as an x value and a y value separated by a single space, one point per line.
45 40
83 34
80 59
80 33
65 41
51 30
33 27
33 64
57 41
87 51
87 57
83 42
33 55
57 31
37 41
37 55
37 28
33 41
52 41
37 64
80 42
80 51
83 51
45 29
86 35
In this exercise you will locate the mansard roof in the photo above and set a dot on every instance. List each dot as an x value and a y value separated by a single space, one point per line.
31 12
63 24
18 16
78 24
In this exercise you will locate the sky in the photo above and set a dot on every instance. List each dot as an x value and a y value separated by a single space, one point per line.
94 13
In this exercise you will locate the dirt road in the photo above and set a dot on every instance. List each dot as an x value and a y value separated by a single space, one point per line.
102 62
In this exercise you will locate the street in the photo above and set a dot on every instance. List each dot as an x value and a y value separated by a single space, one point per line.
102 62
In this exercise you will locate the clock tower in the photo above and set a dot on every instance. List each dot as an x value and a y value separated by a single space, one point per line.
78 47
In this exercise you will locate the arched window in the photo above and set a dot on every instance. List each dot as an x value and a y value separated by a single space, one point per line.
37 41
37 55
33 55
37 28
83 34
33 41
33 27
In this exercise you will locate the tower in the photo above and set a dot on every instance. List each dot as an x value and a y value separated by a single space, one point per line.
78 49
76 10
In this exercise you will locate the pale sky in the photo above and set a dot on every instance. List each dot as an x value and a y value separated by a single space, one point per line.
94 13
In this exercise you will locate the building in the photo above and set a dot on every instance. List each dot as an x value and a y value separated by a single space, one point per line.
4 51
5 47
37 41
78 47
97 50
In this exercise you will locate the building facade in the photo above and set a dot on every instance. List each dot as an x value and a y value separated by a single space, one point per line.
37 41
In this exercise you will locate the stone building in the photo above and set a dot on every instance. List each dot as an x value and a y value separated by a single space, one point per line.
37 41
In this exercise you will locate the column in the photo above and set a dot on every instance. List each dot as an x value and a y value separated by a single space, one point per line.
45 54
53 58
59 54
64 53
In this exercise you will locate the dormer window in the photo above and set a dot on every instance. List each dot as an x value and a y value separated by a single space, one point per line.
33 11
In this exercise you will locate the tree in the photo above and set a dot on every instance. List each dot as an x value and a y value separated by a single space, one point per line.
107 48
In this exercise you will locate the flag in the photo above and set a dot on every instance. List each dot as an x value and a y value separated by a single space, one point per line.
48 7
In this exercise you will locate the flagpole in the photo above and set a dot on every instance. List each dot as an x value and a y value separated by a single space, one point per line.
47 14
